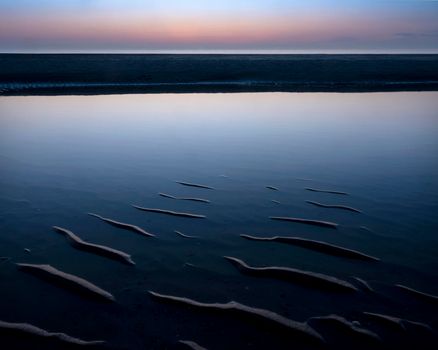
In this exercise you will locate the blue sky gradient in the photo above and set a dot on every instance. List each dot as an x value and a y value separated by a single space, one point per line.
313 25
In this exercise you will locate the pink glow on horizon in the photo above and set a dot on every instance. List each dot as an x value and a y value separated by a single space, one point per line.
141 31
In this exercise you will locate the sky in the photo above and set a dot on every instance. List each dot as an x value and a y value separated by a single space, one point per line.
218 25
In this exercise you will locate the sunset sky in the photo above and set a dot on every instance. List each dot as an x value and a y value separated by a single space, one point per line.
311 25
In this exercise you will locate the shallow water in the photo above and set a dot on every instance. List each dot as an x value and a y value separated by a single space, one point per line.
64 156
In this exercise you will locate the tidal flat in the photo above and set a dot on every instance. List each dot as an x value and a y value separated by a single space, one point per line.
64 157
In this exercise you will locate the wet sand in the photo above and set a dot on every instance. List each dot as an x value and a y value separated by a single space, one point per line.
68 156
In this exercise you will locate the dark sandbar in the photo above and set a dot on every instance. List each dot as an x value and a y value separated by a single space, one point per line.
344 326
170 212
398 323
308 278
326 191
306 221
66 280
183 235
190 184
156 73
192 345
364 284
123 225
253 314
319 246
25 329
98 249
335 206
390 321
193 199
417 293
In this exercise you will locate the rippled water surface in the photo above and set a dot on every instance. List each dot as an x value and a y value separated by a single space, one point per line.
64 156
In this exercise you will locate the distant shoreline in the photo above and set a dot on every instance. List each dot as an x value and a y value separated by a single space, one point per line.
72 74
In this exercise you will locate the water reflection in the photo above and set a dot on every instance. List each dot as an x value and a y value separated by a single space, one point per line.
64 156
341 138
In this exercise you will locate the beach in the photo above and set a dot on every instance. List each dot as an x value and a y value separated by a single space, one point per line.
57 74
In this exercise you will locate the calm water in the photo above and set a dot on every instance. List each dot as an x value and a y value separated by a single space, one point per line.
64 156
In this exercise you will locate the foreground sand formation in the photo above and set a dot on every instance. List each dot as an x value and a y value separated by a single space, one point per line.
318 246
364 284
190 184
123 225
334 206
26 330
66 280
192 345
256 315
320 331
183 235
170 212
418 294
95 248
306 221
308 278
342 325
192 199
396 322
326 191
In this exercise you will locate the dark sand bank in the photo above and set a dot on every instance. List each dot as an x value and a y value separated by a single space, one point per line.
26 74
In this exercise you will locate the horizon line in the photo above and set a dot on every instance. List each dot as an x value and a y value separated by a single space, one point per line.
230 51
